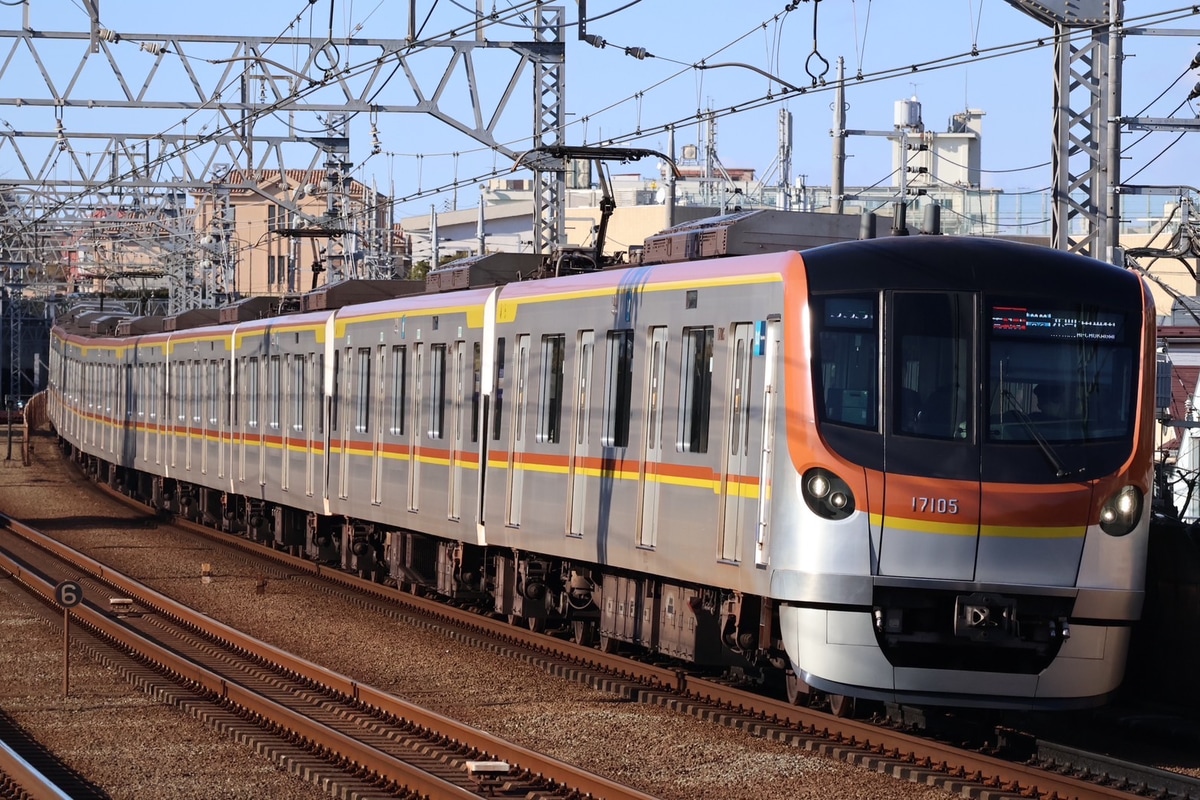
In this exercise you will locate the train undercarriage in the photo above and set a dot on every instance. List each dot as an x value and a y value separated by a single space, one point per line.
719 630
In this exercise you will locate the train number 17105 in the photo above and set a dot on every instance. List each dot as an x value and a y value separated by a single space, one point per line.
935 505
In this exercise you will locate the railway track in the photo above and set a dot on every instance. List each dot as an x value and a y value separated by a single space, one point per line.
1049 772
338 732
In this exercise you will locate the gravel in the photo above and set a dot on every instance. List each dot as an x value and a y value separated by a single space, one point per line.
123 741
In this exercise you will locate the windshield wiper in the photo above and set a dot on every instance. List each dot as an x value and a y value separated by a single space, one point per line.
1026 423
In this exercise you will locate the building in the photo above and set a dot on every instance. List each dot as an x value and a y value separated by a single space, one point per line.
269 232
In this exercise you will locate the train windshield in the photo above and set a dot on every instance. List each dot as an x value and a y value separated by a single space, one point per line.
1060 371
1055 372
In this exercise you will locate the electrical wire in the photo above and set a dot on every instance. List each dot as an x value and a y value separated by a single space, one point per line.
230 128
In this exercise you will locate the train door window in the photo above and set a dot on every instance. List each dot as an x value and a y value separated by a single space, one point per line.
299 392
437 391
477 386
335 399
212 382
550 408
182 392
139 400
319 380
160 400
232 385
498 411
152 393
846 359
252 390
274 392
618 391
362 394
932 364
583 382
399 388
198 386
695 390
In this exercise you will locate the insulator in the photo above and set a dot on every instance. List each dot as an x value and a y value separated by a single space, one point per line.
153 48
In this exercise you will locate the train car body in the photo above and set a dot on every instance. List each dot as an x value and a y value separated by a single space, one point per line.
839 463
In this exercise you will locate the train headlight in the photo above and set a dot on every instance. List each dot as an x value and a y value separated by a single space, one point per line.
1121 512
826 494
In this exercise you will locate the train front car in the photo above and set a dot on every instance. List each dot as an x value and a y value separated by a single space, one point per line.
963 516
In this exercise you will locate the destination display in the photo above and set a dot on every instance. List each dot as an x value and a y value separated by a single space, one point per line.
1048 323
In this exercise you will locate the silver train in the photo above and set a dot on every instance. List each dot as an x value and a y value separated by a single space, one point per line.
832 465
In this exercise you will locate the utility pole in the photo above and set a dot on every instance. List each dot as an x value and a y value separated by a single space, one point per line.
837 185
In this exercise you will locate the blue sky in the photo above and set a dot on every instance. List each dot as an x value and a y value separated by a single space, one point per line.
612 95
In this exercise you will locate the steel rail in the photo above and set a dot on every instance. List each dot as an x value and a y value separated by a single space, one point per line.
519 757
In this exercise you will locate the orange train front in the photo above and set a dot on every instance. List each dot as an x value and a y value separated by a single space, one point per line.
942 529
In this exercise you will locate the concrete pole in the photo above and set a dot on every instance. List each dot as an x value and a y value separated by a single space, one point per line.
1112 157
480 231
671 177
433 238
837 184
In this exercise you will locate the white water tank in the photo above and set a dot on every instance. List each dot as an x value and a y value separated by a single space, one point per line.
908 113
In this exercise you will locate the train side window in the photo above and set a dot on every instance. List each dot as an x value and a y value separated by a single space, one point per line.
275 387
437 391
846 359
550 411
618 391
695 390
362 418
399 387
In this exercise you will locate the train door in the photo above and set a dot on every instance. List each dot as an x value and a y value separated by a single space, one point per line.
458 373
178 394
343 398
930 524
398 402
737 460
414 436
647 521
158 372
284 415
581 437
516 474
378 427
770 393
302 417
191 412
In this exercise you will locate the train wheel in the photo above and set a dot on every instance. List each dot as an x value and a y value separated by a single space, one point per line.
583 632
797 690
608 644
536 624
841 705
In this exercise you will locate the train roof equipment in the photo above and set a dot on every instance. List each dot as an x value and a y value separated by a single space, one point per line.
354 291
492 269
744 233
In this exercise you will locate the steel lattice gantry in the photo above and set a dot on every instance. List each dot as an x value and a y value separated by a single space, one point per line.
1085 154
61 171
